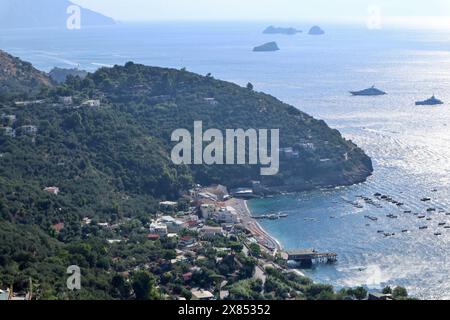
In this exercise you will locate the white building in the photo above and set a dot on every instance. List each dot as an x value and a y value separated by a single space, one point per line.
8 131
158 228
208 196
202 295
92 103
207 211
103 224
173 225
227 215
28 130
52 190
66 100
208 232
168 206
10 118
211 101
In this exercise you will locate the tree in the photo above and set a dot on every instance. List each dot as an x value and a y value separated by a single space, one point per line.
248 267
255 250
73 121
400 293
144 286
250 86
121 286
359 293
387 290
236 246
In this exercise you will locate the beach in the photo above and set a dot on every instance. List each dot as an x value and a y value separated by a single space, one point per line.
261 235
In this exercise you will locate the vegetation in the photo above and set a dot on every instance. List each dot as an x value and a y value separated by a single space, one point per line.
19 79
112 165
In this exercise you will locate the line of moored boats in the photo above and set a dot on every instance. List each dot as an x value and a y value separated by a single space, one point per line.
380 197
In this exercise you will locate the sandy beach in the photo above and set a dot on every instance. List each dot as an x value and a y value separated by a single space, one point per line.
263 238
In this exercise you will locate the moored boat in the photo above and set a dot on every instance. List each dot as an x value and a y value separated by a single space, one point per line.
369 92
433 101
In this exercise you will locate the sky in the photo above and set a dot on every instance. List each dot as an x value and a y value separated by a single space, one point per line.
405 11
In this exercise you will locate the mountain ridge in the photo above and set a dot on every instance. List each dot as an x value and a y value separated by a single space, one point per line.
20 78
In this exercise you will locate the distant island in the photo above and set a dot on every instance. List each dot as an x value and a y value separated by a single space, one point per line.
316 31
267 47
277 30
16 14
60 74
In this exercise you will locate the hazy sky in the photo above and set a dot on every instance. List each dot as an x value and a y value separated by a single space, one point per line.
267 10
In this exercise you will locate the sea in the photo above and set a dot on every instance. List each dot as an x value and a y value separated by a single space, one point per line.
409 145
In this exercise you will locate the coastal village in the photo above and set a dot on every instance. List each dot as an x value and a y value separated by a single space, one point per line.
207 222
212 221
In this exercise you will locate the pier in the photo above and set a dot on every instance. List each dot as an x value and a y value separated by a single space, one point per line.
308 257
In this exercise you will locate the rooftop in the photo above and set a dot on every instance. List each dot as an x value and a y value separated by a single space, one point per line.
202 294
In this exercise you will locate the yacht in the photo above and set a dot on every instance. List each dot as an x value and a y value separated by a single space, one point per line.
368 92
429 102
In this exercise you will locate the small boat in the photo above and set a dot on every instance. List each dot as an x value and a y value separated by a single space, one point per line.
447 227
429 102
377 194
438 234
372 91
423 228
425 199
407 211
431 210
442 224
429 219
391 216
371 218
380 231
387 234
421 217
405 231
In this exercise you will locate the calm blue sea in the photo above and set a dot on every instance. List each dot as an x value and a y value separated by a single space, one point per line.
410 145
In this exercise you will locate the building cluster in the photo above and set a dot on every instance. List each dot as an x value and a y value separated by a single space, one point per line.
198 219
27 130
8 128
70 102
